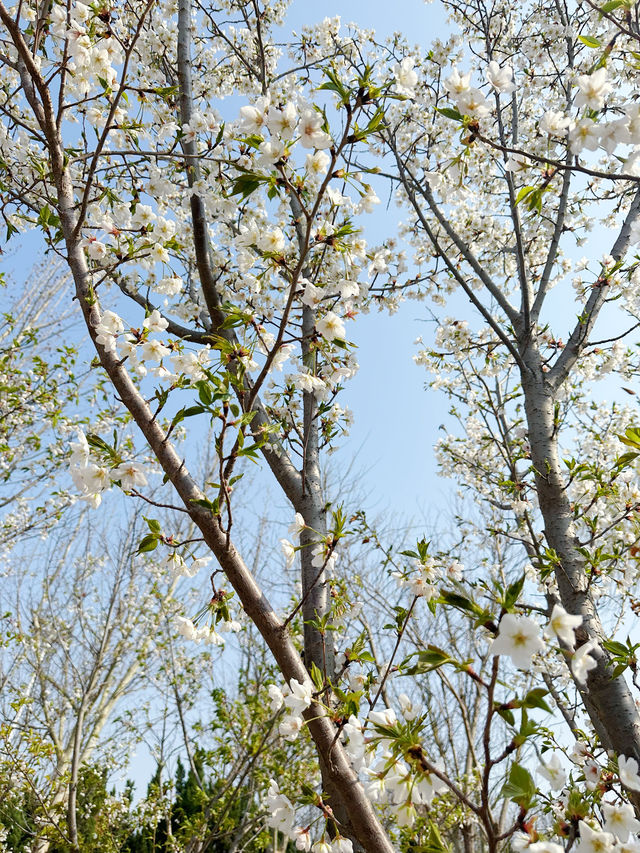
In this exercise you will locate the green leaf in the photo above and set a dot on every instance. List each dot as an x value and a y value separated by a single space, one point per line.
435 842
527 727
611 5
11 230
165 91
44 217
454 599
616 648
625 460
219 136
466 605
631 437
154 526
448 112
429 659
520 787
316 676
589 41
100 444
334 85
205 394
251 451
246 184
512 593
187 413
507 714
147 543
523 192
534 699
372 126
214 505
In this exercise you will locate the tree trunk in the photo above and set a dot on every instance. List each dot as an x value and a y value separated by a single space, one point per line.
318 647
608 700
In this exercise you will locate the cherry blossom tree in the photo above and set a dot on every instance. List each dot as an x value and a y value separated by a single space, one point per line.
80 630
546 370
40 387
218 261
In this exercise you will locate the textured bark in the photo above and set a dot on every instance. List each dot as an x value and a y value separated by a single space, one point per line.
608 700
318 647
364 823
303 489
318 644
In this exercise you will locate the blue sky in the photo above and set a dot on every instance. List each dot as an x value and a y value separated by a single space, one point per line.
396 420
414 18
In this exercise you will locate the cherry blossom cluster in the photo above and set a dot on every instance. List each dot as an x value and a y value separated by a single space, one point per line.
282 816
519 638
92 479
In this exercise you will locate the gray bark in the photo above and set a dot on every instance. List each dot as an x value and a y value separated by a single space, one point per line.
609 701
72 797
318 647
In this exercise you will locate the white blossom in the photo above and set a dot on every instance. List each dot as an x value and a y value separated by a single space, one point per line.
519 638
290 727
500 78
593 89
564 624
331 327
130 475
582 662
592 841
272 241
628 772
299 696
406 78
620 820
289 551
155 322
555 123
275 697
311 133
297 526
553 771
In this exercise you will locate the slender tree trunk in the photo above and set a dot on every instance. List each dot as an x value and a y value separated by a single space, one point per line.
318 646
468 837
72 822
340 777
